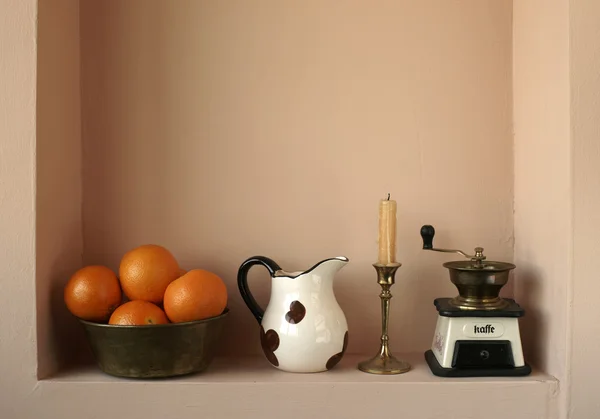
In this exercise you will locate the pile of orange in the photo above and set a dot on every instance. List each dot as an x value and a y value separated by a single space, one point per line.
151 288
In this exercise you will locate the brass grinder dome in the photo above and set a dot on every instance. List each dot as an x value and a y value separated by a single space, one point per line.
479 283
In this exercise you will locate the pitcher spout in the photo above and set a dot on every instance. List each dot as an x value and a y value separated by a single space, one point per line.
328 267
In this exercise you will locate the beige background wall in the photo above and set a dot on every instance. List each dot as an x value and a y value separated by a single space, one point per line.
228 129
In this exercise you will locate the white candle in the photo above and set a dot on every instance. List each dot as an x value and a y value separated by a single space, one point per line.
387 231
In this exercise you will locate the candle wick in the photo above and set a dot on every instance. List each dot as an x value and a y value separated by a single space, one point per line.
388 197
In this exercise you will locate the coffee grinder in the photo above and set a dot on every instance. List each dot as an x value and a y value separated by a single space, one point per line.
477 332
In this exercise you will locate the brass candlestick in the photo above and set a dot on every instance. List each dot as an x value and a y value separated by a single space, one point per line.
384 362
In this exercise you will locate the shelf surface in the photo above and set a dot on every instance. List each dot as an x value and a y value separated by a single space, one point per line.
258 370
252 388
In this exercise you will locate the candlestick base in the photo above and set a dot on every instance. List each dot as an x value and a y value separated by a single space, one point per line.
384 365
384 362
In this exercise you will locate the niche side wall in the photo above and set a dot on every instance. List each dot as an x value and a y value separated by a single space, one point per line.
58 229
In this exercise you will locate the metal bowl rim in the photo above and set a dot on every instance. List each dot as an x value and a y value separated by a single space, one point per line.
467 266
154 326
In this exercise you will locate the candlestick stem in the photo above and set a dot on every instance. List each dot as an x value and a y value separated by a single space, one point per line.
385 296
384 362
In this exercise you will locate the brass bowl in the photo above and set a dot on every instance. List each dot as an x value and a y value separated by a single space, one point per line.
479 285
155 351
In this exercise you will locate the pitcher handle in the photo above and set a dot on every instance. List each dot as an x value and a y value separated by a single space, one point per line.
242 279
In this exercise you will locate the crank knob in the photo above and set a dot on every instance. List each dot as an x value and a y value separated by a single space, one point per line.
427 233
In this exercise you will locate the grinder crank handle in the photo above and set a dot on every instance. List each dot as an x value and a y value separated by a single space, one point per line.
427 233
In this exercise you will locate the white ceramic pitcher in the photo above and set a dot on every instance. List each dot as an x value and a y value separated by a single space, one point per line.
303 329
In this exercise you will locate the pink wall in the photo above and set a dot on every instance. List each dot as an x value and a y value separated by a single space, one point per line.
435 93
543 226
585 94
17 204
557 178
59 241
224 130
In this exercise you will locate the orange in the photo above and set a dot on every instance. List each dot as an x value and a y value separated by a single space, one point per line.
138 312
146 271
197 295
93 293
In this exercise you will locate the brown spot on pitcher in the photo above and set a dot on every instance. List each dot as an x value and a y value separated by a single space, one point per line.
333 361
296 313
269 342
